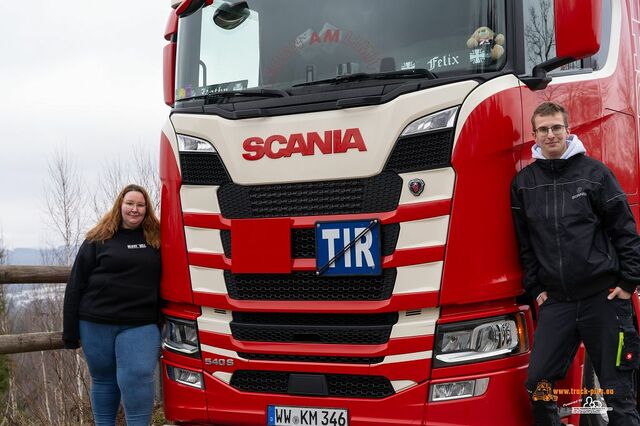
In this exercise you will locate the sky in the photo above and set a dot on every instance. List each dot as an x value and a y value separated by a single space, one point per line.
83 76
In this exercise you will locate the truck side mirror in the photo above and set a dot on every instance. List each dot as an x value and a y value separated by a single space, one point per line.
229 16
573 41
578 27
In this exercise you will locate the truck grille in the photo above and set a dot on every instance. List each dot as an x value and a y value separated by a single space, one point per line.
337 385
309 286
380 193
202 169
312 358
426 151
371 195
355 329
303 241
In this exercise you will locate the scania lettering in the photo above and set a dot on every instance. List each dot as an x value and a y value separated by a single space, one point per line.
332 143
337 240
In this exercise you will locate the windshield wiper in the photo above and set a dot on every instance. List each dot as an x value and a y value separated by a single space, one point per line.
266 93
225 95
362 76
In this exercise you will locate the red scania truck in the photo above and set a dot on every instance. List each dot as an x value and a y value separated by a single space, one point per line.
336 229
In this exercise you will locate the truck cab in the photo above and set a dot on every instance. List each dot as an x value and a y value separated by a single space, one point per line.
337 239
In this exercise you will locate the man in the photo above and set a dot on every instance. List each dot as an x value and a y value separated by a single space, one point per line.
577 240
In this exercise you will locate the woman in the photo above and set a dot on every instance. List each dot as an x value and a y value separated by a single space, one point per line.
111 308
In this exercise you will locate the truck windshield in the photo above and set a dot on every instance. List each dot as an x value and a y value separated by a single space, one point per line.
232 46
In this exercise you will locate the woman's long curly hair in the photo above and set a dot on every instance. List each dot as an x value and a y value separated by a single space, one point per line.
112 220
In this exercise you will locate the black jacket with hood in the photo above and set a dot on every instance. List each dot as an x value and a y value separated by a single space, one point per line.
576 232
112 282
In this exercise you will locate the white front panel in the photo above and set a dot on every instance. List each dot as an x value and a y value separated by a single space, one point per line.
203 240
379 126
399 385
416 356
199 199
423 233
218 351
214 321
423 324
224 376
207 280
438 185
418 278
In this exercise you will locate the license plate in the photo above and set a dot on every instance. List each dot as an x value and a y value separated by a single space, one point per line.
348 248
306 416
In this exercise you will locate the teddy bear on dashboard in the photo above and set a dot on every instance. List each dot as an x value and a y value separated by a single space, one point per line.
485 38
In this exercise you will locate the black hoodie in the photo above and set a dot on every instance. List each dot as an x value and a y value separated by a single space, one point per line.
113 282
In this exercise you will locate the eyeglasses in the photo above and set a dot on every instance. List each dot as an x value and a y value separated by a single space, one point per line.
131 204
557 130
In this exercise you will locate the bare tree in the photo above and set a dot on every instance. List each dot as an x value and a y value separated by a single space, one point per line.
64 208
113 176
64 204
539 33
3 250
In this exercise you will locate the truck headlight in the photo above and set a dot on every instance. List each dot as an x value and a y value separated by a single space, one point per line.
191 144
180 335
185 377
458 390
480 340
444 119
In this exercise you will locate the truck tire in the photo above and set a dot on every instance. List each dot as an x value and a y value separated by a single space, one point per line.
590 381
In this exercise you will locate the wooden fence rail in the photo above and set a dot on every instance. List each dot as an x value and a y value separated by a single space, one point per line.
33 274
32 342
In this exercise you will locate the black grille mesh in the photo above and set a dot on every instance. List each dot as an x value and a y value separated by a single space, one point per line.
260 381
366 329
339 385
380 193
349 386
308 286
333 320
311 358
352 336
202 169
303 241
421 152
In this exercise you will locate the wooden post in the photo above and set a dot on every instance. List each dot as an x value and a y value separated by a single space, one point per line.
26 274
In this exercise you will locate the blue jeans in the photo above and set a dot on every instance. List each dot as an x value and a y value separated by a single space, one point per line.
122 361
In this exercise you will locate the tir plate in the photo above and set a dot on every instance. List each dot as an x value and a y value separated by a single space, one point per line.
306 416
339 251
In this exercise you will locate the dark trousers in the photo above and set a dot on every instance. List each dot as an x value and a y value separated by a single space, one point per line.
597 322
